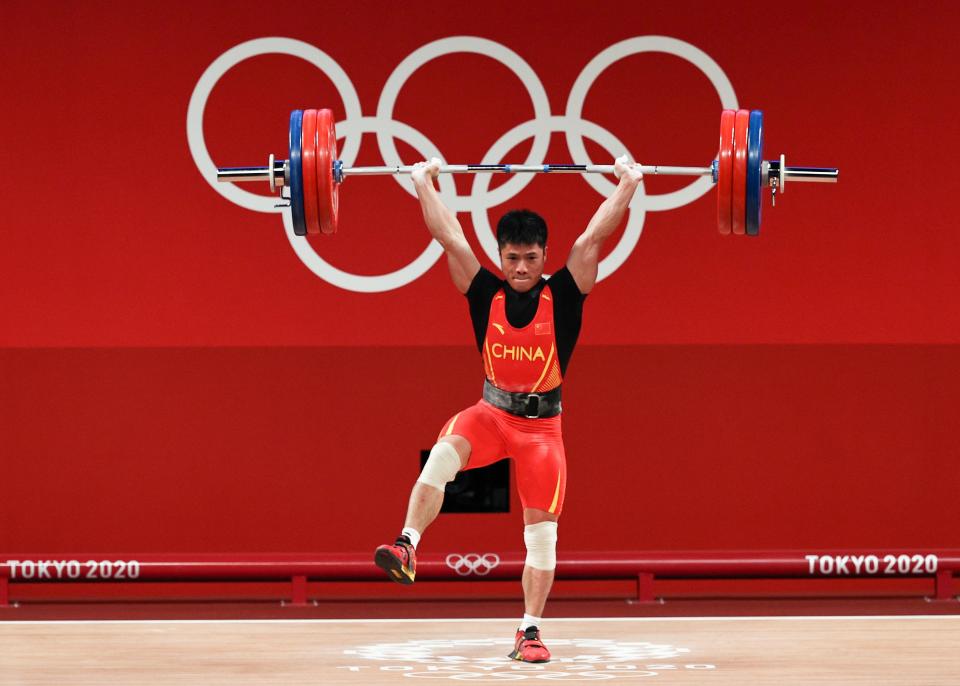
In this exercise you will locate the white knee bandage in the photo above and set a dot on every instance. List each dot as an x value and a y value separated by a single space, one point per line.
541 542
441 467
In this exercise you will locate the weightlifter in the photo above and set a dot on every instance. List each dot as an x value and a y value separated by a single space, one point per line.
526 328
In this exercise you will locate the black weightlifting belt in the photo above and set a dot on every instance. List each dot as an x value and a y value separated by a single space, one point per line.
529 405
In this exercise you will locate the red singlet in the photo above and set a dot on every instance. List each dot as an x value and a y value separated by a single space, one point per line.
522 360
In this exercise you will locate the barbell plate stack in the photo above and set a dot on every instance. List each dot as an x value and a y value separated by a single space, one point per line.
296 173
754 175
308 154
328 191
725 171
739 213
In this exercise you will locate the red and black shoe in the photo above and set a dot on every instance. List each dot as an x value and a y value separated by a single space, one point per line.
399 560
529 648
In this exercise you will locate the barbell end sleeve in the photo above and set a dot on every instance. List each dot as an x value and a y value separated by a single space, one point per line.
783 173
241 174
244 174
813 174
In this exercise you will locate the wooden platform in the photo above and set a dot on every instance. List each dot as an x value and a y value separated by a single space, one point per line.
678 650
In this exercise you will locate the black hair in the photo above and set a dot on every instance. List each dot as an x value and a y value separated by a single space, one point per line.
521 227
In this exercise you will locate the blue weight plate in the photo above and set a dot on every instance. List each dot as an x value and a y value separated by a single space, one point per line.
296 174
754 175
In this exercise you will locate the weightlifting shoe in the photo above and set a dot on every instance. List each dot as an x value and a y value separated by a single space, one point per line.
529 648
399 560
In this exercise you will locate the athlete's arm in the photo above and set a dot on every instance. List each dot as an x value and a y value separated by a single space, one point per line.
443 225
585 254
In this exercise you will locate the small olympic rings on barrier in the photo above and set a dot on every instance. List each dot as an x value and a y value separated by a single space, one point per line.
480 199
473 563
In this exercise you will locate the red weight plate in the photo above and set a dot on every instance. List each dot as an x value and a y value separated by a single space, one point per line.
725 171
739 204
308 152
327 187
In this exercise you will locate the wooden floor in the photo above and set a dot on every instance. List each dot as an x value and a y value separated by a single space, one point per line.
780 651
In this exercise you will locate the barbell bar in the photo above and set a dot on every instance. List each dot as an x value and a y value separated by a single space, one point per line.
263 173
312 174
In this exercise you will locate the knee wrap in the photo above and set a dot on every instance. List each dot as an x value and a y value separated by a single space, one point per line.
441 467
541 542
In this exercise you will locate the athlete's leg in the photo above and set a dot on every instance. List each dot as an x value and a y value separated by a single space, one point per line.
540 538
541 480
468 437
448 456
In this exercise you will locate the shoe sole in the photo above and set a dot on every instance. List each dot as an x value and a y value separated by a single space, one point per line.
393 567
515 655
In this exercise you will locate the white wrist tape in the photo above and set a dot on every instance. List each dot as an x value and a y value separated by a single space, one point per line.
441 467
541 542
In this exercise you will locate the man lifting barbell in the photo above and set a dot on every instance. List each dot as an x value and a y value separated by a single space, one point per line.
526 328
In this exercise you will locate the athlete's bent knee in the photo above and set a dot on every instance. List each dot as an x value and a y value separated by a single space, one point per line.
541 542
441 467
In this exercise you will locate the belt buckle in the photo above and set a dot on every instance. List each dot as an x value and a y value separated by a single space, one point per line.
536 413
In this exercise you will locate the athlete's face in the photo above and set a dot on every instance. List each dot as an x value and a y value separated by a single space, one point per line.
522 265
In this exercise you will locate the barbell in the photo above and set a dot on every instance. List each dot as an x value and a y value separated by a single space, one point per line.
311 176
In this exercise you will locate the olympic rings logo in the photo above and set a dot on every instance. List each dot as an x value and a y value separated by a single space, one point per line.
473 655
481 198
472 563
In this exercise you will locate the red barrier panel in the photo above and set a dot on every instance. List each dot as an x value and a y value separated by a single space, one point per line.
642 566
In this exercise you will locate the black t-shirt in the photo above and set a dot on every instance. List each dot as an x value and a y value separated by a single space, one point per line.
522 307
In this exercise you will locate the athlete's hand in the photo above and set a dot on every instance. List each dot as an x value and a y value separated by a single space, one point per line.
425 172
623 167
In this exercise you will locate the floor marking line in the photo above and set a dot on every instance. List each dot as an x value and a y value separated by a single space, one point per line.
549 620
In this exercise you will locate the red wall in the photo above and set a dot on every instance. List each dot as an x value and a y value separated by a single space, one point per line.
229 449
174 377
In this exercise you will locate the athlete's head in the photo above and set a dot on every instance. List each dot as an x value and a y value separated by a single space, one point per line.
522 238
